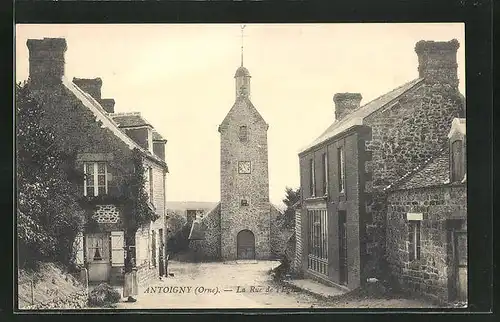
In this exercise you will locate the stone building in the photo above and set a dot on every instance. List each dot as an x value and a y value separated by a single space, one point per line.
427 224
109 148
345 171
241 225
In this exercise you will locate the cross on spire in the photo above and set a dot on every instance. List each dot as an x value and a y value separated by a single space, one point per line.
242 35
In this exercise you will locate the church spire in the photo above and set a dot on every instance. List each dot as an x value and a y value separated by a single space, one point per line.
242 75
242 28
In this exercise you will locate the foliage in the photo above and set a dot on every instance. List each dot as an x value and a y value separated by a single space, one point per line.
103 295
137 207
292 196
175 222
179 242
48 215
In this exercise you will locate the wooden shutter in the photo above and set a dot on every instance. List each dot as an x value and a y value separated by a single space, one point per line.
117 251
78 246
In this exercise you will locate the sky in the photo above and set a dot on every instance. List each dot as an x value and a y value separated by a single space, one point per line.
181 78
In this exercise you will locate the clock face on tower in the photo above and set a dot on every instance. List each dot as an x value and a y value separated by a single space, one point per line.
244 167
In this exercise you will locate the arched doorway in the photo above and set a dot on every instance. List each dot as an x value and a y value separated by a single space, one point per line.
245 245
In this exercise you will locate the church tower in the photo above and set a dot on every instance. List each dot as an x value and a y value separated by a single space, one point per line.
245 209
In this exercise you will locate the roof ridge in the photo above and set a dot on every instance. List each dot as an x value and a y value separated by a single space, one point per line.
416 80
126 114
98 108
419 167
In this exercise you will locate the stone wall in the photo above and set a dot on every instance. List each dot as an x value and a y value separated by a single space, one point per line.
428 276
403 136
209 248
147 275
235 186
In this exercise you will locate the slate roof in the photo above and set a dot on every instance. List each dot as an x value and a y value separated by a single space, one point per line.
435 170
357 117
242 71
107 121
249 104
434 173
197 231
133 119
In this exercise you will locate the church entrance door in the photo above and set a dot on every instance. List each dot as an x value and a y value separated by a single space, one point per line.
245 245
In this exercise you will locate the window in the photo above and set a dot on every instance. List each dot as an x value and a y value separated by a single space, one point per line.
150 175
243 133
457 164
325 173
414 239
96 181
318 240
341 168
312 179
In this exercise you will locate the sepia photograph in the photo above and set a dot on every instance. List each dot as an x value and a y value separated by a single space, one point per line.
240 166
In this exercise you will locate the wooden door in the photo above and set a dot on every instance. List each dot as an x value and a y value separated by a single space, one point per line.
98 256
460 264
245 245
342 248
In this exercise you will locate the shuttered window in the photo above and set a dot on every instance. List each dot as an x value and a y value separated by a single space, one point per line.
457 164
341 169
78 247
312 179
325 173
117 248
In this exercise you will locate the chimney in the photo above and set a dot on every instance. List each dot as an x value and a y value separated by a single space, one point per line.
90 85
46 61
346 103
437 61
108 104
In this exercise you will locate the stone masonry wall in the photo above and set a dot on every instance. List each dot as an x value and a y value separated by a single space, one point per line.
403 136
209 248
428 276
409 132
253 187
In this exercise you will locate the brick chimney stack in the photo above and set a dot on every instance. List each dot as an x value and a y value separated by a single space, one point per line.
46 61
346 103
437 61
91 86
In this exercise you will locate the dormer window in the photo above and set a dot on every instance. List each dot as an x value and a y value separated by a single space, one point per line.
457 161
243 133
96 179
458 155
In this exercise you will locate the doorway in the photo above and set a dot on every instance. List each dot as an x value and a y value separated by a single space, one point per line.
245 245
342 247
458 261
98 256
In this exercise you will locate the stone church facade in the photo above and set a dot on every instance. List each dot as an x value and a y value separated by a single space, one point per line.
241 225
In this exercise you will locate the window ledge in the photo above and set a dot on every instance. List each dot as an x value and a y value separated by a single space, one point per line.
316 198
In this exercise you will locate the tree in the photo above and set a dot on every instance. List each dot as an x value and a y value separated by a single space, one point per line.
292 196
48 215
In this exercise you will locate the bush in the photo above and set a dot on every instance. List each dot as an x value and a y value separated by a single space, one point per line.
103 295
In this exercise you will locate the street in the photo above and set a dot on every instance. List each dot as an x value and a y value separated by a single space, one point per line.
236 285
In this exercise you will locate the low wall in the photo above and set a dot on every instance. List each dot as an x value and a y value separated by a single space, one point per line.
50 288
